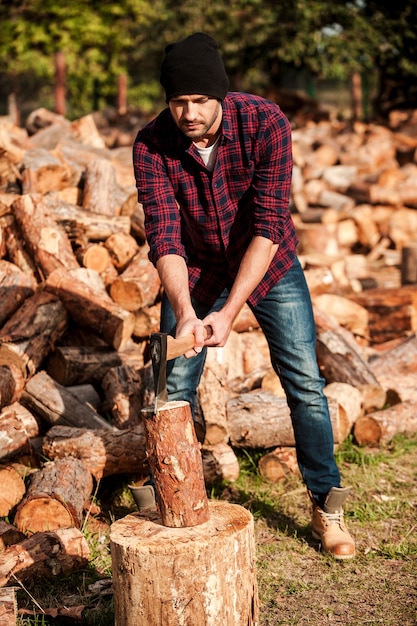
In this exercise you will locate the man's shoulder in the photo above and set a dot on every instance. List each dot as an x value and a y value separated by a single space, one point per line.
159 130
251 106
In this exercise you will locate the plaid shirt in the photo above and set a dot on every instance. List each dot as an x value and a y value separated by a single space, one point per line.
209 218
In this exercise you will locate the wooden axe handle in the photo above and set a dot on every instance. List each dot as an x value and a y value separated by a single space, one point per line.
178 347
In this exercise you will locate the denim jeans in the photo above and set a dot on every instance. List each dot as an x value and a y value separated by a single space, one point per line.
285 316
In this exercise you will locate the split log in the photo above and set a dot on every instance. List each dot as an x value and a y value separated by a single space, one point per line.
279 464
17 427
122 249
9 535
26 339
33 330
219 557
261 420
102 452
12 489
127 391
147 321
348 313
340 358
138 286
86 394
396 370
56 497
92 307
101 193
43 172
175 461
392 312
15 248
8 606
46 241
52 402
94 256
380 427
79 223
220 463
349 399
77 365
44 555
15 287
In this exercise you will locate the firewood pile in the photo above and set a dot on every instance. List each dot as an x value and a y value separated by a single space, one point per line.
79 299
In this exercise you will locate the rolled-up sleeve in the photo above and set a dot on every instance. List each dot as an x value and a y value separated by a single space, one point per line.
155 192
272 177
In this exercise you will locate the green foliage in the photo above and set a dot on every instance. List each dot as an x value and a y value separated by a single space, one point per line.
262 42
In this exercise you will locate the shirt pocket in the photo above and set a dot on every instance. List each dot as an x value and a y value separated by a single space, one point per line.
238 181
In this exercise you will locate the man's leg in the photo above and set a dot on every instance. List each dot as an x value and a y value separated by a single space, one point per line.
286 318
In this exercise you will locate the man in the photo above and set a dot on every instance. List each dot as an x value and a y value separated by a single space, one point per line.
213 172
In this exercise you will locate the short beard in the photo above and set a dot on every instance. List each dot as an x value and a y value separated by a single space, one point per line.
210 125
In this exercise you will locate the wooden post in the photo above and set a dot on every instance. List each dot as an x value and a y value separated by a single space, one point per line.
204 575
191 561
60 84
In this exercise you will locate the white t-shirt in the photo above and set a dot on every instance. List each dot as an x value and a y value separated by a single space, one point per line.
209 154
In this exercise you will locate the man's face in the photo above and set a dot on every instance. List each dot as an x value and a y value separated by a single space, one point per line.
198 117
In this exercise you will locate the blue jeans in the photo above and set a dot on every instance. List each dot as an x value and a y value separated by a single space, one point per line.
285 316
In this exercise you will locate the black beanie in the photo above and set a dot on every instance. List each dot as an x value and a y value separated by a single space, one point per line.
194 66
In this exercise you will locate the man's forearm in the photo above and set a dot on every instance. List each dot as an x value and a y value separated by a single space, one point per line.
173 273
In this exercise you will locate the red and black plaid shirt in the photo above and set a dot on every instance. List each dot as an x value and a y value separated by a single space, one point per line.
209 218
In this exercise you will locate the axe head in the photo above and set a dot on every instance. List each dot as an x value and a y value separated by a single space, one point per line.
158 348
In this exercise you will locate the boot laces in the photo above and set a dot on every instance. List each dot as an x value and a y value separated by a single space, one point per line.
332 518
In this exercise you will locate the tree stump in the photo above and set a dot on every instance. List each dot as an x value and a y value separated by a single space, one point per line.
203 575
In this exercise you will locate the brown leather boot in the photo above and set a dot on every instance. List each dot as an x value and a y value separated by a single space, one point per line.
329 527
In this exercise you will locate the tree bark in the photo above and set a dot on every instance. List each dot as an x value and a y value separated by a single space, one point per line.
127 391
219 463
8 607
380 427
46 241
396 370
392 312
44 555
9 535
103 452
92 308
175 460
17 427
12 489
77 365
261 420
15 287
278 464
138 286
28 336
218 559
55 497
52 402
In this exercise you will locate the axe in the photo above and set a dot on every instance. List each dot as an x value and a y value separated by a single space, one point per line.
163 348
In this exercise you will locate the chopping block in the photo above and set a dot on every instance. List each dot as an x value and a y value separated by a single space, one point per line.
188 561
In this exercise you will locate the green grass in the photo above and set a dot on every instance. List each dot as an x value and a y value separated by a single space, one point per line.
298 585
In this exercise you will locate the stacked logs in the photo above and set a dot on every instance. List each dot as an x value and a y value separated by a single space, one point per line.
80 299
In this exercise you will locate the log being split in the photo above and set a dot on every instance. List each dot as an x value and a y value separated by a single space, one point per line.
175 460
204 575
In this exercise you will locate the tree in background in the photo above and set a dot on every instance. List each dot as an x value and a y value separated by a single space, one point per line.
263 42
